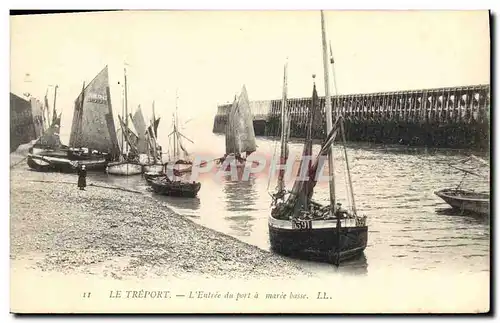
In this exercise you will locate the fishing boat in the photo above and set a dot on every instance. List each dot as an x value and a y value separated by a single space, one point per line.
179 162
240 134
49 144
128 162
139 124
93 132
298 225
178 188
53 164
150 176
467 200
178 157
154 164
93 137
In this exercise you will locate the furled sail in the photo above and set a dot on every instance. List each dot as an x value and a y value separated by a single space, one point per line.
303 189
93 123
300 191
151 137
140 126
240 134
130 137
46 113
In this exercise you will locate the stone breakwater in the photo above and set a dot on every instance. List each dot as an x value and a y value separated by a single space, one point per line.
118 234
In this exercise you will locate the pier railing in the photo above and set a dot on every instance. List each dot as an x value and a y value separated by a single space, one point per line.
443 117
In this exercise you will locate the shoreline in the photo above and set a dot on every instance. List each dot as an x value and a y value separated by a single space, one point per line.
121 233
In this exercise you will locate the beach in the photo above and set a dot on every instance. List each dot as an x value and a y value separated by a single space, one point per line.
67 243
115 233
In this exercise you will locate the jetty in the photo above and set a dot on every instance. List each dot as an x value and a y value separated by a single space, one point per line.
26 120
451 117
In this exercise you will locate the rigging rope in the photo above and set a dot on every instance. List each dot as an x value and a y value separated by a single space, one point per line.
351 195
274 158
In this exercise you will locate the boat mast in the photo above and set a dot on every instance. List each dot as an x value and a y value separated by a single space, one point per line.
125 107
55 99
46 113
123 111
281 183
153 133
328 113
175 127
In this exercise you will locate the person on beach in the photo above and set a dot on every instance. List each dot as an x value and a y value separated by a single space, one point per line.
82 177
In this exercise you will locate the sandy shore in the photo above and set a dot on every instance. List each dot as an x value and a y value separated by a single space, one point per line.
114 233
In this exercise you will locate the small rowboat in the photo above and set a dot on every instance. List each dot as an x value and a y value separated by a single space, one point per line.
466 200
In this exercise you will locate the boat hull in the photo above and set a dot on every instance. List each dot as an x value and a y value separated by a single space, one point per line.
152 176
466 201
154 168
124 169
39 165
320 241
53 164
177 188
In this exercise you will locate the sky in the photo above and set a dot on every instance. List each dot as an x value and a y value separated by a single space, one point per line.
199 59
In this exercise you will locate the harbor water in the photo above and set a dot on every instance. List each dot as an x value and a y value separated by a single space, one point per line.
409 226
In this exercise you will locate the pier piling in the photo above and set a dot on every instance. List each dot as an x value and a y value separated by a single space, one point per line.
454 117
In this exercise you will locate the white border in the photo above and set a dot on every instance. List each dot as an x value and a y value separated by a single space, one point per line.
191 4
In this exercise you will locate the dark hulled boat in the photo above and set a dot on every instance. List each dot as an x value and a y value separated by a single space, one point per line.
93 137
165 186
299 226
64 165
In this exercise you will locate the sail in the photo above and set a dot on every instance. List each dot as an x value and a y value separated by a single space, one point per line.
232 140
50 138
118 135
184 150
151 138
140 126
302 189
130 137
240 135
46 113
153 130
93 123
55 116
246 131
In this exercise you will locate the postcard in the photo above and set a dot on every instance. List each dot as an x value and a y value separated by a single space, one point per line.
250 162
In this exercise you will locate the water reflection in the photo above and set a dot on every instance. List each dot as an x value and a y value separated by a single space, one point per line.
240 197
473 217
184 203
409 225
356 266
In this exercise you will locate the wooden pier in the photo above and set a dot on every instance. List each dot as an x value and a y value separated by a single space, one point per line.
453 117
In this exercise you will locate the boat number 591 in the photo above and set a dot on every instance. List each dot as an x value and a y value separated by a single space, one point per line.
301 224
